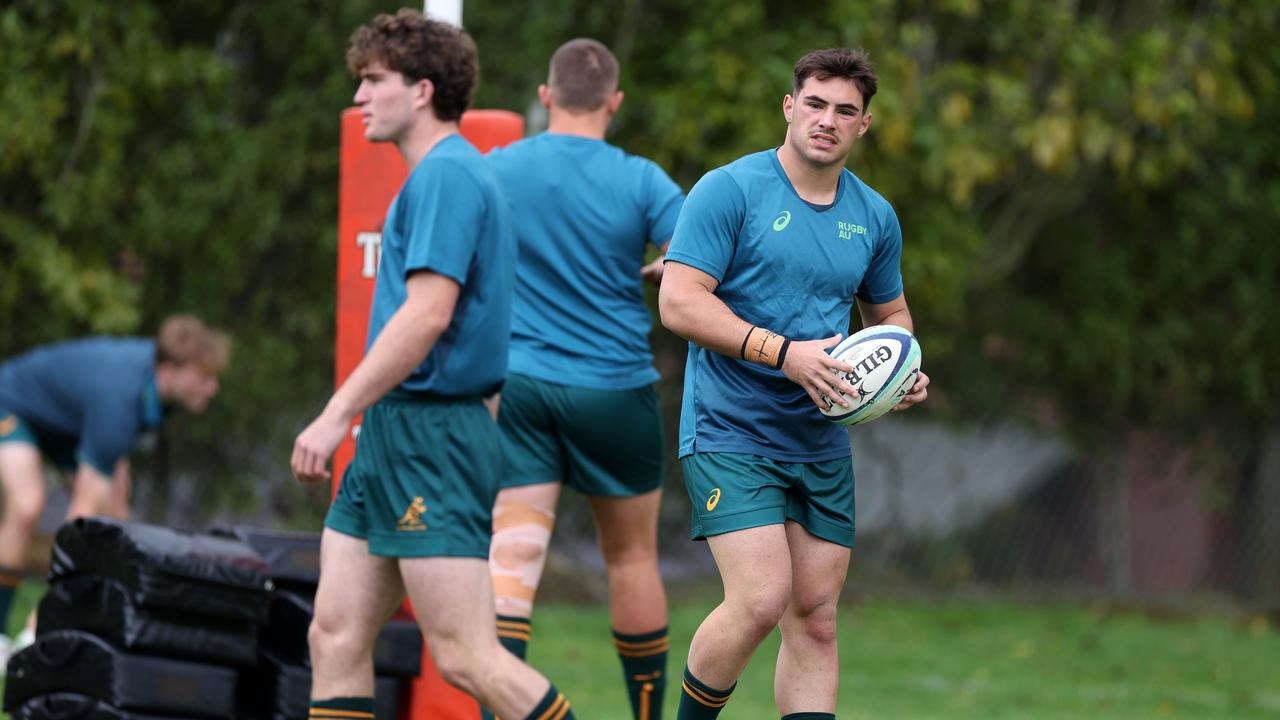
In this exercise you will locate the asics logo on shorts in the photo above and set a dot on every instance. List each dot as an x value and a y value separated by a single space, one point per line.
783 220
412 518
713 499
8 424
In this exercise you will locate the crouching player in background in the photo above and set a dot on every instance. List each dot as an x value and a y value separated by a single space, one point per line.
82 405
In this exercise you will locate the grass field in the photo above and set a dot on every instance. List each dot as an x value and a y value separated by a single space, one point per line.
965 660
961 659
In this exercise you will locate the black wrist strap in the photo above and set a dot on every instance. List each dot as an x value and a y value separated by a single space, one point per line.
742 352
782 353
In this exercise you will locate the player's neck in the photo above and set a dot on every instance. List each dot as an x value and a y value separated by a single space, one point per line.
419 140
813 182
588 125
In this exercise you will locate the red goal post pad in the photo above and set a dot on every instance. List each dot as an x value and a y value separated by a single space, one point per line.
369 175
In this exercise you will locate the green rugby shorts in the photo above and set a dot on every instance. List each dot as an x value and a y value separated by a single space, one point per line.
737 491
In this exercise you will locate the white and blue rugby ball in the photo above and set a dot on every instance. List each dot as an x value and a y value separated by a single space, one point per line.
885 361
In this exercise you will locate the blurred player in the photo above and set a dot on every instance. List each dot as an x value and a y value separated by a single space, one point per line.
767 258
413 513
82 405
580 407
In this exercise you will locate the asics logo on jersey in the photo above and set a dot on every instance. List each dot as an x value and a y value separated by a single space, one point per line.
782 221
713 499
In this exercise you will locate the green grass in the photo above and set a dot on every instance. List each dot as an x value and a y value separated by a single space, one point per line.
964 660
958 659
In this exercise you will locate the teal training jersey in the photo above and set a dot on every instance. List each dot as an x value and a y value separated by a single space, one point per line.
784 265
583 212
99 394
449 218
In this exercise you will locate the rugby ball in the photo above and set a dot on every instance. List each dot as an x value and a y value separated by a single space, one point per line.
885 361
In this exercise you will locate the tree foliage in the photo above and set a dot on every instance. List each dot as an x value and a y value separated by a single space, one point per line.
1086 189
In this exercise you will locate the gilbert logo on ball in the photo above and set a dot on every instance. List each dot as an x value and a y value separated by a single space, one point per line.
885 361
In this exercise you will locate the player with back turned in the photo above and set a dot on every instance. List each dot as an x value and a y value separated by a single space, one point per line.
767 258
580 408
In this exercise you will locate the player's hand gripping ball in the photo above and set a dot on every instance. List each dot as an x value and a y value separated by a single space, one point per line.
886 362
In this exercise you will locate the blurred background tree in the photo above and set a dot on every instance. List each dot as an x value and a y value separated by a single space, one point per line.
1085 188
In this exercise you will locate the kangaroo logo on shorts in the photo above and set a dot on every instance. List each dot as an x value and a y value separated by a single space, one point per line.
8 424
713 499
412 519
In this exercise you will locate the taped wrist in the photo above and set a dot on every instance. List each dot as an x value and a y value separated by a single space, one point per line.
764 347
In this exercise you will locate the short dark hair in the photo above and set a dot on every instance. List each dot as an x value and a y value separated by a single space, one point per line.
582 75
846 63
420 49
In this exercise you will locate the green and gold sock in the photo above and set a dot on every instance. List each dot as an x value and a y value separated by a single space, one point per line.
644 666
699 702
10 578
513 633
553 706
342 708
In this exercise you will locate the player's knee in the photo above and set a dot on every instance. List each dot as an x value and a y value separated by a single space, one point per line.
456 663
818 625
761 611
24 508
631 548
330 639
513 554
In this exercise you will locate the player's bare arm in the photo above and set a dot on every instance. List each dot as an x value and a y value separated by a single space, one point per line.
401 346
690 308
895 312
652 272
90 492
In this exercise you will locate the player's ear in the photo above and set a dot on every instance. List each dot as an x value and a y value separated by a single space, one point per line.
614 102
544 95
425 92
788 104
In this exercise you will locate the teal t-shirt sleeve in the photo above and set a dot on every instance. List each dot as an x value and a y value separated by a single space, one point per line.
662 206
709 223
883 279
444 213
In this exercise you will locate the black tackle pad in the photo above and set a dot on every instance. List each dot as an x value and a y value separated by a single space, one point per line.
166 568
102 606
70 706
72 661
293 558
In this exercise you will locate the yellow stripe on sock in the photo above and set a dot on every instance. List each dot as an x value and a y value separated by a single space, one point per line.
550 714
644 653
704 698
513 635
644 701
10 580
564 710
624 644
328 712
511 625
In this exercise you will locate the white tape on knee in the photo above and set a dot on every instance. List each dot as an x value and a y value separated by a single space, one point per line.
521 533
